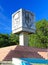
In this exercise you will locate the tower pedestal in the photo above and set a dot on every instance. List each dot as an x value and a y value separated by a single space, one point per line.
23 39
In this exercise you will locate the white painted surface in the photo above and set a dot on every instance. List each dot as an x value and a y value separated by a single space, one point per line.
23 39
17 61
23 19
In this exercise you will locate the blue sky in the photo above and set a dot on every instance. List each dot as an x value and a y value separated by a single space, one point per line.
7 7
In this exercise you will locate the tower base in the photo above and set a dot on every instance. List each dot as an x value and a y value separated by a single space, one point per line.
23 39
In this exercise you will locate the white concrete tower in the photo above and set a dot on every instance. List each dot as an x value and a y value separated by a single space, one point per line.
23 24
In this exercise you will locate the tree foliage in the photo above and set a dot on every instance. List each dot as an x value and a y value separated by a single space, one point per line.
40 38
7 40
4 40
14 39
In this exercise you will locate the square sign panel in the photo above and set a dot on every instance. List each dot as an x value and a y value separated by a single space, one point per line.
23 21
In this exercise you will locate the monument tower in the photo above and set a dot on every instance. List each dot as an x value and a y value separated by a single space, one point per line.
23 24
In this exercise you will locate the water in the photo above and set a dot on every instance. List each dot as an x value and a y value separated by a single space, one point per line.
35 60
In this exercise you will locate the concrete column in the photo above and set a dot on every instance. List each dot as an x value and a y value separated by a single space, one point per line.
23 39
